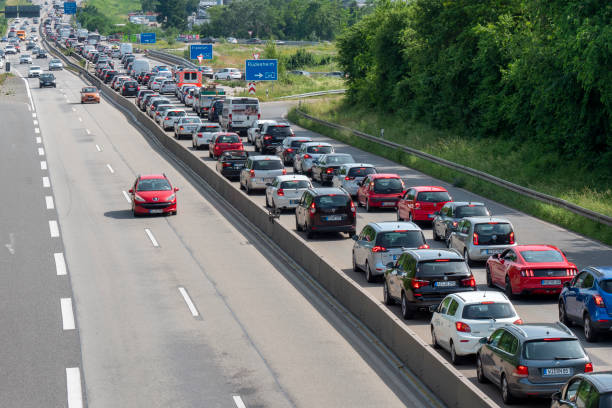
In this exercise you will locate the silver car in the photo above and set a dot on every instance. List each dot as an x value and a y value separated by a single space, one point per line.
259 171
161 108
168 86
477 238
203 134
308 153
285 191
55 64
170 117
349 176
186 126
380 243
25 59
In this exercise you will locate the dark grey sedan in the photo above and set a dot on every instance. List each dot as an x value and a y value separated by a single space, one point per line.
447 219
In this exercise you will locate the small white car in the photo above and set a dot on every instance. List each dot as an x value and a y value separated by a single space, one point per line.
349 176
34 71
462 319
228 74
257 126
169 118
186 126
55 64
259 171
155 84
285 191
167 86
25 59
202 136
160 110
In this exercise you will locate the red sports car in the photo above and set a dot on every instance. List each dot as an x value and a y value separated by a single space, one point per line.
223 141
421 202
530 269
153 194
382 190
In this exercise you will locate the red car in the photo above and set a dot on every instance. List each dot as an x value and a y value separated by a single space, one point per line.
530 269
421 202
382 190
153 194
223 141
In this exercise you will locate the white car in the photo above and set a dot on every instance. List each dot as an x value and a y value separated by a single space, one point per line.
9 49
186 126
228 74
157 113
167 86
55 64
259 171
170 116
202 136
462 319
285 191
25 59
155 84
34 71
232 40
349 176
308 153
253 131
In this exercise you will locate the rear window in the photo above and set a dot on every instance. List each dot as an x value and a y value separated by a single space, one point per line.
493 233
553 350
235 154
339 159
388 185
606 286
400 239
228 139
433 196
361 171
209 129
436 268
542 256
191 120
279 131
295 184
471 211
319 149
332 201
297 143
267 165
488 311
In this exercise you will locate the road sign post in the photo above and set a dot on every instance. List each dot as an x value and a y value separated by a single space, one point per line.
261 70
148 38
205 50
251 88
70 7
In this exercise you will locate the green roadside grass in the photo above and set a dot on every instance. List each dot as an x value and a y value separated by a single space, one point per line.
294 85
117 10
3 77
485 156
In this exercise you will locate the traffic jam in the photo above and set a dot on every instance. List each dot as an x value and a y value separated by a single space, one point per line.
327 195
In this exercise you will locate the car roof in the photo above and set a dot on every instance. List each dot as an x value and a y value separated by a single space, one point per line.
601 380
462 203
287 177
358 165
485 219
383 175
535 247
313 143
337 154
394 225
432 254
152 176
428 188
328 190
481 296
264 157
603 271
535 331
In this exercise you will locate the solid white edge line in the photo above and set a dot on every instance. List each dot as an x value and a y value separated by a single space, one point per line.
80 119
67 314
87 131
41 151
73 386
33 115
38 140
238 401
110 168
46 182
35 122
188 301
36 130
127 197
98 148
49 202
74 110
151 237
54 229
60 264
43 165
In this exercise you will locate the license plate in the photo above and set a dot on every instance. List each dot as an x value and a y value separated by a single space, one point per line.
334 218
268 180
493 251
445 284
430 215
395 257
156 211
557 371
238 166
551 282
294 201
386 204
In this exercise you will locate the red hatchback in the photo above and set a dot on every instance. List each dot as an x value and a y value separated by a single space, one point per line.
382 190
421 202
530 269
153 194
224 141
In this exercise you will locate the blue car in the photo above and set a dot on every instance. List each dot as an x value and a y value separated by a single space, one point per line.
587 301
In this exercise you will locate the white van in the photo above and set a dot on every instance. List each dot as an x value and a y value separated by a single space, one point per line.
140 65
239 114
125 48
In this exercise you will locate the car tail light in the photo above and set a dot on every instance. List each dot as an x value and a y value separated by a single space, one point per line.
313 209
512 238
521 371
571 272
166 118
230 117
181 128
379 248
289 150
267 137
475 239
227 164
588 367
252 173
307 156
527 273
518 321
329 171
417 284
347 178
424 246
258 116
280 192
455 223
352 207
284 171
599 302
462 327
471 282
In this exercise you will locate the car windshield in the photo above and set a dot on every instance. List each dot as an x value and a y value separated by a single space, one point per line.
388 185
295 184
89 89
297 143
279 131
267 165
339 159
332 201
542 256
606 285
47 76
564 349
361 171
191 120
235 154
153 185
438 268
400 239
471 210
228 139
488 310
319 149
433 196
493 233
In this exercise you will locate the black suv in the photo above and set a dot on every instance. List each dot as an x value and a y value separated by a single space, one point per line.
326 210
271 137
215 110
421 278
46 79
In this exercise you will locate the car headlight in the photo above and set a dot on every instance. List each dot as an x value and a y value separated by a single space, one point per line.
139 198
171 197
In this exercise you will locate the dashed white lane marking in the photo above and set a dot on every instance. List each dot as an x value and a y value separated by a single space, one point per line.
74 110
67 314
54 229
87 131
190 305
43 165
110 168
39 140
33 115
73 386
238 401
127 197
41 151
98 148
36 130
60 263
49 202
35 123
46 182
80 119
151 237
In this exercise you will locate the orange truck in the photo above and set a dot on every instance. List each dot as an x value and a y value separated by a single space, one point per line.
21 34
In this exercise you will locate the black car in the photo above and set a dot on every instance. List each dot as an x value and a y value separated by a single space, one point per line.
592 390
272 137
215 110
254 41
41 54
231 163
129 88
421 278
109 75
326 210
46 79
447 219
326 166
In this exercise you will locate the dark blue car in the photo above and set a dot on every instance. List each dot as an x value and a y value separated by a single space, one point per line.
587 301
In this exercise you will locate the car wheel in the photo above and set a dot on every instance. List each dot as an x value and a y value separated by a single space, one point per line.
434 339
267 202
466 256
455 359
410 218
241 186
367 205
508 288
590 333
489 280
309 233
387 299
406 312
297 224
436 237
505 390
480 372
174 212
135 214
210 154
248 190
355 267
563 314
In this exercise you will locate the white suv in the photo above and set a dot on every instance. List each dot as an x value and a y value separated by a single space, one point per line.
462 319
228 73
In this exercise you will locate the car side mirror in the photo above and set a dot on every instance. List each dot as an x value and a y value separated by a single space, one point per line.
437 213
483 340
176 189
355 238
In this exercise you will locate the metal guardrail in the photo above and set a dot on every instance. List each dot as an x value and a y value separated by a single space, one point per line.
545 198
171 59
317 93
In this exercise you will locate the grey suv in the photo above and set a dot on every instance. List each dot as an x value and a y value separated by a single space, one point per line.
531 359
477 238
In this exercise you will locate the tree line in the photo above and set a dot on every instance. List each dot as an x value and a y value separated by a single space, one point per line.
535 70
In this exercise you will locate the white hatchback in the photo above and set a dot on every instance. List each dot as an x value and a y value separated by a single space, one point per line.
462 319
285 191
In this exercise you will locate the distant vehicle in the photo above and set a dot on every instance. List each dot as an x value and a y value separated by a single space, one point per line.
185 126
228 74
271 136
170 117
381 190
231 40
129 88
25 59
302 73
286 151
325 210
259 171
153 194
35 71
308 153
254 41
239 113
90 94
326 166
202 136
421 202
231 163
167 86
447 218
286 190
350 175
93 38
223 141
188 76
46 79
256 128
140 65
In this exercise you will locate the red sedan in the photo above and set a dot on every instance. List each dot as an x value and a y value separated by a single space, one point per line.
153 194
223 141
522 269
421 202
380 190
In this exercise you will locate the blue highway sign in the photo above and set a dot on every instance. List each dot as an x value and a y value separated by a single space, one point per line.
148 38
70 7
261 70
205 50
